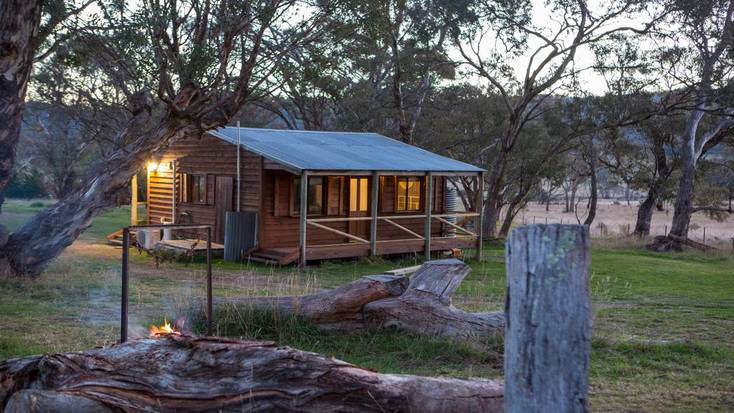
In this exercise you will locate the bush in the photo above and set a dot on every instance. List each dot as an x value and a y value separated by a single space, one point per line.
26 185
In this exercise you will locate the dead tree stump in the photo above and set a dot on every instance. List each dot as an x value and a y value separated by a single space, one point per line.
548 335
180 373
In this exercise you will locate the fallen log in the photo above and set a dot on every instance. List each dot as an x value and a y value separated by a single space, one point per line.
337 309
420 304
425 306
670 242
183 373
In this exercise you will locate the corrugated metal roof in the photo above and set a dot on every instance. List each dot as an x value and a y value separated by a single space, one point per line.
340 151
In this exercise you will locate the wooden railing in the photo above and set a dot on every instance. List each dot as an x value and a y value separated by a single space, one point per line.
390 219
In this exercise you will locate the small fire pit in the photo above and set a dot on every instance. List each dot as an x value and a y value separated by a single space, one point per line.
166 328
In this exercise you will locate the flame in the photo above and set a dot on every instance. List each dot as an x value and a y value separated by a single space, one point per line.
165 328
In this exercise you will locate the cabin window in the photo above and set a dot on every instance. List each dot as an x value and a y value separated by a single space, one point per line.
408 193
358 194
195 191
315 195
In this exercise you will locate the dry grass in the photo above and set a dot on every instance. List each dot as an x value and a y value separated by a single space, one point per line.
616 217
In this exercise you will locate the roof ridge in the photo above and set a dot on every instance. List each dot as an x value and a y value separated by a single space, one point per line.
300 130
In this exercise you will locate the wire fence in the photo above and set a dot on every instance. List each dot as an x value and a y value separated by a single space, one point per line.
700 234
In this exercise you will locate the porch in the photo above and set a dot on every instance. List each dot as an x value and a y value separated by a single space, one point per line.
440 230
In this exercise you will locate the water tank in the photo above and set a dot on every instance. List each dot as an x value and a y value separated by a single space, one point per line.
240 234
451 201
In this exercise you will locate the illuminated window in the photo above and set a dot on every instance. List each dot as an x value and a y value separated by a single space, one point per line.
408 193
358 194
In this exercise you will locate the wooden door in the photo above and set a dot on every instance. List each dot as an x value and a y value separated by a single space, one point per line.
359 206
223 202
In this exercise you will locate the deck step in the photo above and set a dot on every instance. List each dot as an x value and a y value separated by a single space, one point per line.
263 260
115 238
281 256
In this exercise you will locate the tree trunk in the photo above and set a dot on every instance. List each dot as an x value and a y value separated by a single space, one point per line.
661 175
493 203
491 216
30 248
420 305
181 373
644 214
512 209
684 199
19 23
594 196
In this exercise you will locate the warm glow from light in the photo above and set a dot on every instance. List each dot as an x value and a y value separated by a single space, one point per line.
152 166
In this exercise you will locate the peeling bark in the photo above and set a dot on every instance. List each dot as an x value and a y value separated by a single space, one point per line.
19 24
180 373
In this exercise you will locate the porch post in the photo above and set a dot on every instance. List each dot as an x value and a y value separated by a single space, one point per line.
173 192
479 206
302 216
134 200
373 211
428 207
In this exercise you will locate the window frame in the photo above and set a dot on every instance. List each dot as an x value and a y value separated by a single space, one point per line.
188 185
296 188
421 194
368 194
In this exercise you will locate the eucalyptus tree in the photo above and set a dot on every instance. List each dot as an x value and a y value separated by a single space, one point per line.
458 120
171 68
462 119
531 61
311 80
403 43
30 30
696 56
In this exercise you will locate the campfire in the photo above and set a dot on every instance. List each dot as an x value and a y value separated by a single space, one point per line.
163 329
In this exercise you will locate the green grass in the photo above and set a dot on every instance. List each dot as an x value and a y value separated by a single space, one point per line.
386 351
663 323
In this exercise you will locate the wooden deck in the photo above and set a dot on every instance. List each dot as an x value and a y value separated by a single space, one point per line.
187 245
284 256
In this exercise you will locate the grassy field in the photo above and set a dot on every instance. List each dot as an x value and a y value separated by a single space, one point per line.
663 326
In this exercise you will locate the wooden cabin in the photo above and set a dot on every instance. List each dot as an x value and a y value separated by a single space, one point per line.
317 195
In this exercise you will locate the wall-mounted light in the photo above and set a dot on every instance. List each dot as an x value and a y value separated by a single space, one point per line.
152 166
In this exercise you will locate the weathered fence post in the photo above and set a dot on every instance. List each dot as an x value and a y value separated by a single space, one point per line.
548 311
